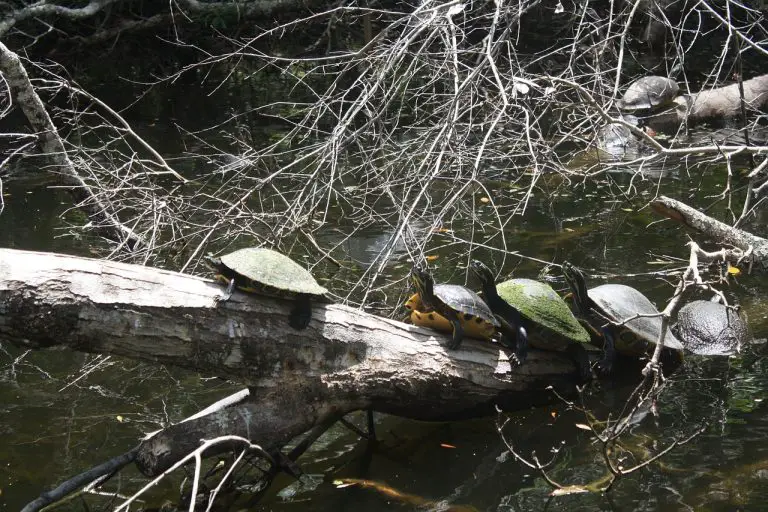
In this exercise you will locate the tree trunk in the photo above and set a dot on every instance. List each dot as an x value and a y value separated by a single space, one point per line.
344 361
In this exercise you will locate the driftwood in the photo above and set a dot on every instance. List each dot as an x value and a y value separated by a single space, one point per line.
345 360
712 228
720 103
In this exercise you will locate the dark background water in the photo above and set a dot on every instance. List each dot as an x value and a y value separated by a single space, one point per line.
64 412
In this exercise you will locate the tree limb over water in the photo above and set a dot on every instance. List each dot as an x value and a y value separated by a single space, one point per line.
345 361
718 231
240 9
23 93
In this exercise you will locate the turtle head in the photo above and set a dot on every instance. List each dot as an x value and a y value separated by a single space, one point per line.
212 261
578 284
482 271
422 281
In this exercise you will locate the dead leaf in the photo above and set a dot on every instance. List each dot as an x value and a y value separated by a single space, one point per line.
571 489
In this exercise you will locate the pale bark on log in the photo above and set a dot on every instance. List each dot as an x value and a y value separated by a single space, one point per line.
24 94
720 103
726 101
712 228
344 361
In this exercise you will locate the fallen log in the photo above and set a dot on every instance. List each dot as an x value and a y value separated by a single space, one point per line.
344 361
712 228
713 104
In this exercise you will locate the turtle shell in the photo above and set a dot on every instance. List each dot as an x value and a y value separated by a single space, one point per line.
474 326
711 329
273 271
648 93
464 300
617 302
555 325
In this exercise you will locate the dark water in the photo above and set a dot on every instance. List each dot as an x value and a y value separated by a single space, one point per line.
65 412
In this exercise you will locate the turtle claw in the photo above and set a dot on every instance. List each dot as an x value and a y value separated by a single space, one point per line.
218 299
604 367
580 357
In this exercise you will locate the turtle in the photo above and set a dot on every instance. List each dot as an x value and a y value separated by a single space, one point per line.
537 315
457 304
475 327
648 93
606 310
260 270
710 329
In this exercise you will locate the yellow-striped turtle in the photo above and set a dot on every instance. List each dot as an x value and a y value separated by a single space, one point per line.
457 305
608 309
474 327
537 315
268 272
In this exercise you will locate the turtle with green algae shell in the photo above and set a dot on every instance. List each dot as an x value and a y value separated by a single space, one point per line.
607 308
648 94
458 304
538 316
708 328
268 272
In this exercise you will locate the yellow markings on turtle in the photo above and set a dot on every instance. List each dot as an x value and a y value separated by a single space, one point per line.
414 302
432 320
474 326
478 328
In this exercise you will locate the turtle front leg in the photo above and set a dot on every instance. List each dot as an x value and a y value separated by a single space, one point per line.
605 366
514 337
302 312
521 335
579 355
227 293
458 330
